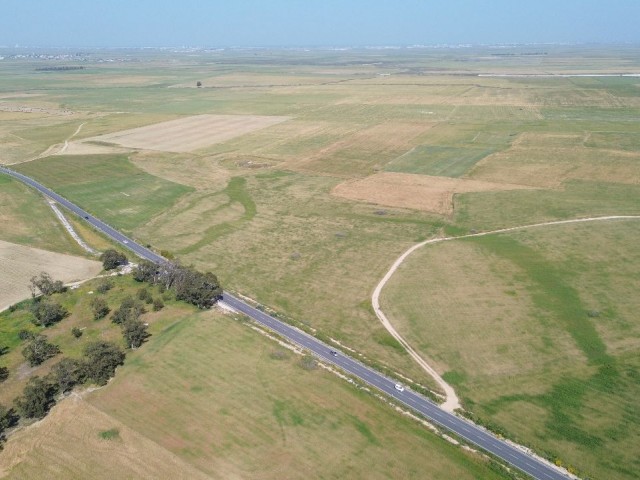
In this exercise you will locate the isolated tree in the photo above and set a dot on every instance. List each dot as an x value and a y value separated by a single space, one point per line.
76 332
45 285
67 373
37 398
47 312
101 360
134 332
99 308
38 350
198 84
112 259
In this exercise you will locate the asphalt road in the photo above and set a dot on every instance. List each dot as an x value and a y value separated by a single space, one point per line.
422 405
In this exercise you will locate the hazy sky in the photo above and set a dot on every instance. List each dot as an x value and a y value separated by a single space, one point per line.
314 22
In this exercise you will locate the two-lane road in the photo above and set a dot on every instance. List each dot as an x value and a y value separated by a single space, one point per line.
422 405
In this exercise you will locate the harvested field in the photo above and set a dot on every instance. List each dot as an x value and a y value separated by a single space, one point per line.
419 192
190 133
19 263
116 451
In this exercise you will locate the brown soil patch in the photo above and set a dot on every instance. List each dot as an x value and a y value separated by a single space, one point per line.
19 263
190 133
41 450
419 192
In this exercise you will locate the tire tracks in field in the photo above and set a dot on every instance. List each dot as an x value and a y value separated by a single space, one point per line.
452 402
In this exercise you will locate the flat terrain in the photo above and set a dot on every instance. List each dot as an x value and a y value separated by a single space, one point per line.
539 324
188 134
418 192
260 208
208 397
19 263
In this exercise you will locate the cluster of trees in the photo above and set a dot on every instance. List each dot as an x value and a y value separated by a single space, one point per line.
134 330
98 365
200 289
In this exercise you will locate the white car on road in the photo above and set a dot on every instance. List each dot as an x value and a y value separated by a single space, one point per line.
399 387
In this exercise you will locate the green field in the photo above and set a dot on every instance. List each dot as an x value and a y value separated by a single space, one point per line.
110 187
258 209
555 308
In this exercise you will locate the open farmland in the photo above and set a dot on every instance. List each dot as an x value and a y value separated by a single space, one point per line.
555 310
19 263
208 397
188 134
418 192
379 150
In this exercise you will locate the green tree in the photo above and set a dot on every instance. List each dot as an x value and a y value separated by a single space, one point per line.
67 373
38 350
199 289
47 312
101 360
99 308
76 332
146 271
8 418
37 398
134 332
45 285
112 259
129 310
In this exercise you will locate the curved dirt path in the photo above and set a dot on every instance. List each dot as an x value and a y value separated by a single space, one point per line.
66 142
452 402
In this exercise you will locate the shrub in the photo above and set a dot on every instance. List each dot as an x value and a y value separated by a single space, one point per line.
76 332
99 308
158 304
104 286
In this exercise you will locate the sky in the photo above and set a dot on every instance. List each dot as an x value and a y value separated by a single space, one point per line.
245 23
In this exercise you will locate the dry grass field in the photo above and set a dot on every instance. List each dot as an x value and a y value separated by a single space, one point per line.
419 192
19 263
188 134
208 397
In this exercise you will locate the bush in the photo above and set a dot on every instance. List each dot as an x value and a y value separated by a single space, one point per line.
113 259
25 334
143 294
38 350
104 286
76 332
47 313
4 374
99 308
158 304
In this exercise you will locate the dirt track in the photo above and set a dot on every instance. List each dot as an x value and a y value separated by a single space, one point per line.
452 402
